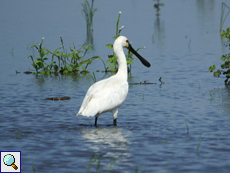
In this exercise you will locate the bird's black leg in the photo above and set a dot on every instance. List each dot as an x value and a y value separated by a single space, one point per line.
95 121
115 122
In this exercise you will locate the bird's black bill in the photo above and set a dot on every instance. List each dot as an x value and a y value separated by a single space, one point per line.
144 61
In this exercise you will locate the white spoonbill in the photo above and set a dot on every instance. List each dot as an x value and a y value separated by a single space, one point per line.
109 94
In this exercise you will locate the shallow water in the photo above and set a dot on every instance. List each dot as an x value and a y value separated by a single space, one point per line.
179 126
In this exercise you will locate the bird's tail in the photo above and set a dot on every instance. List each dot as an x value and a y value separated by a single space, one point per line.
87 113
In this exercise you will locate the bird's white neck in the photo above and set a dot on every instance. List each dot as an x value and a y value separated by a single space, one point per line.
122 63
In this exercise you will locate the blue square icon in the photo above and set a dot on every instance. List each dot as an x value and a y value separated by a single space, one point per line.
10 161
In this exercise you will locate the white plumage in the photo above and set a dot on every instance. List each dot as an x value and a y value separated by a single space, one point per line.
109 94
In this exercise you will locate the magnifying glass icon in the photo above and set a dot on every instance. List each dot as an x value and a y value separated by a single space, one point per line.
9 160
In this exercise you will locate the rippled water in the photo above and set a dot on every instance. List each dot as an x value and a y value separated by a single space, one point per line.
179 126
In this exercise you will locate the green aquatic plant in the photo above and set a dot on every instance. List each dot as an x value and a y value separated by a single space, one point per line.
112 58
114 161
223 16
199 143
169 161
39 63
226 34
12 51
225 66
88 13
61 61
186 125
136 169
157 6
160 80
94 159
65 62
33 167
91 76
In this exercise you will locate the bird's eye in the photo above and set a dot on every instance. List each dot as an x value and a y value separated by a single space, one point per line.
127 41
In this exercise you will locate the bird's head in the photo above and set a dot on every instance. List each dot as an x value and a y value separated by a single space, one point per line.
124 42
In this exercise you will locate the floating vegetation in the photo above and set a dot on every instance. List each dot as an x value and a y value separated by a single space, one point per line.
112 58
141 83
61 61
26 72
58 98
226 60
88 13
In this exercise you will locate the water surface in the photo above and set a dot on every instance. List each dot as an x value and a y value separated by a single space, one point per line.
179 126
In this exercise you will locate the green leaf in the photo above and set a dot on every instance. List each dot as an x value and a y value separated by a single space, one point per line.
140 48
65 71
115 37
111 56
109 46
57 49
83 68
35 66
129 61
223 58
74 54
112 65
37 61
113 69
217 73
57 54
69 68
212 68
34 46
42 72
118 19
89 61
56 68
77 68
88 47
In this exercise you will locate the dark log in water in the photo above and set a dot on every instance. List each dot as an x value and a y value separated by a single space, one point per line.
141 83
58 98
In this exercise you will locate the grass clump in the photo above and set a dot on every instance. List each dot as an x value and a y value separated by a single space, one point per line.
88 13
61 61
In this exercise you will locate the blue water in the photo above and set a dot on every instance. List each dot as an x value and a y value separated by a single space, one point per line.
179 126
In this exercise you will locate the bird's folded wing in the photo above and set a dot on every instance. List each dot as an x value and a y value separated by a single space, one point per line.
103 96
